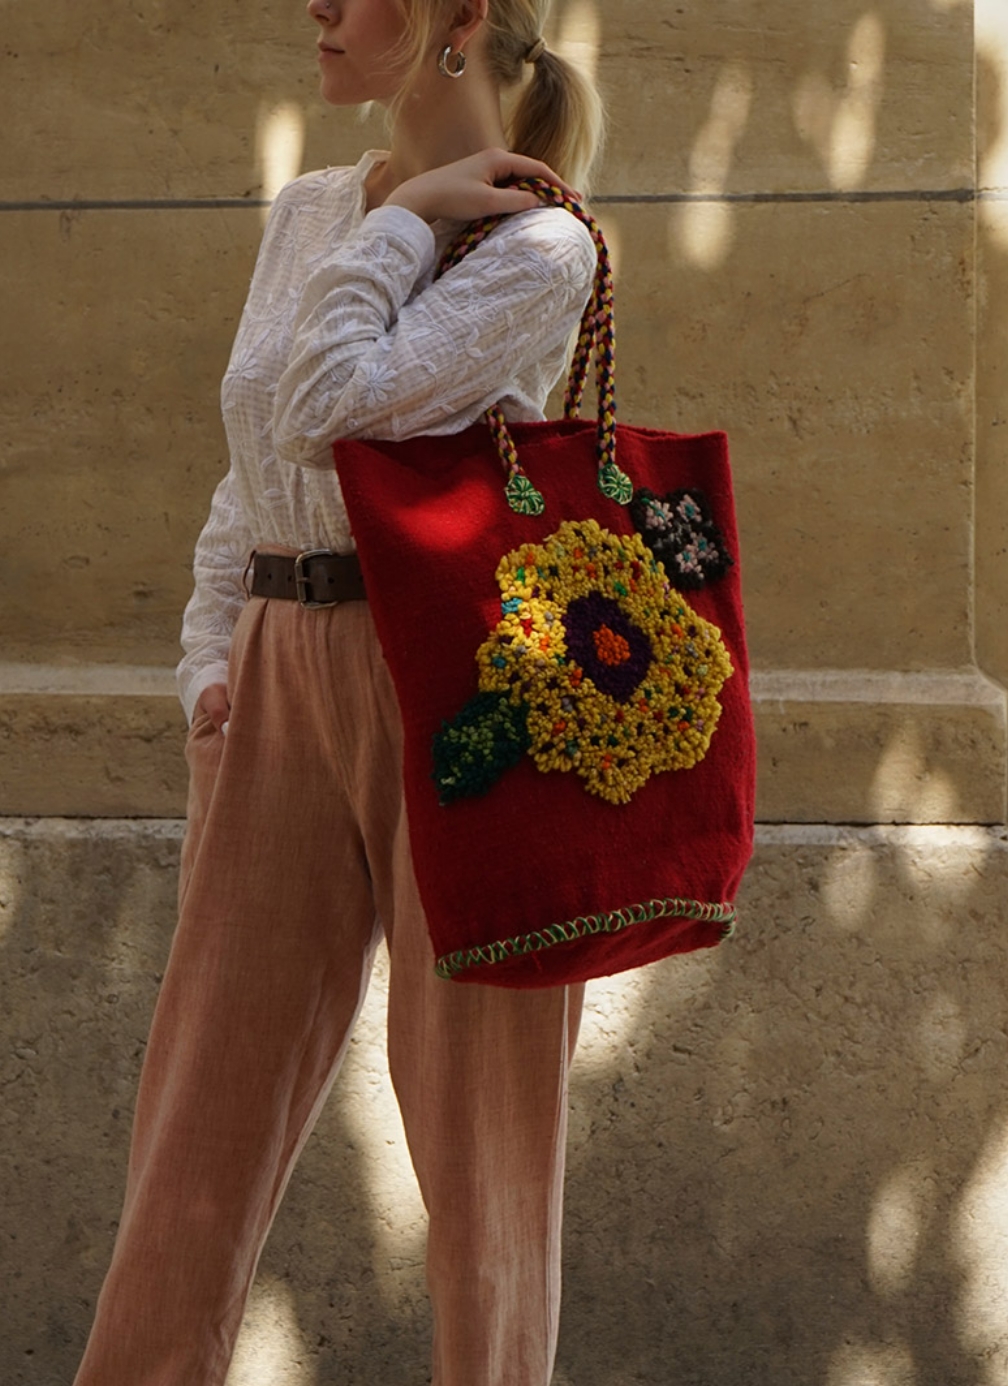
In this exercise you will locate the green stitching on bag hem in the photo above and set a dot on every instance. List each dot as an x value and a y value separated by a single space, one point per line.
614 922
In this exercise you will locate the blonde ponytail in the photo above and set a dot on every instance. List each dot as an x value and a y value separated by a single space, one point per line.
558 119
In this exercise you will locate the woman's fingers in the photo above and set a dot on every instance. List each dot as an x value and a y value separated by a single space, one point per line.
214 702
519 166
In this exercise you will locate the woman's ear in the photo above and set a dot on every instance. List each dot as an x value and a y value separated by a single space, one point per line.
468 16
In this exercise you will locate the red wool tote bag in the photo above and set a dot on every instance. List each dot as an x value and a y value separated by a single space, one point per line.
567 645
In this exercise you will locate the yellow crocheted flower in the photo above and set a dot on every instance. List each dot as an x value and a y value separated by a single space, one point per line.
606 669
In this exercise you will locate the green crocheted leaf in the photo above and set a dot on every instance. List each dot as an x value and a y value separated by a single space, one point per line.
472 751
614 483
522 496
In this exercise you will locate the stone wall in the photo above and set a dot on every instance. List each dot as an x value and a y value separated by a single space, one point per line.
809 256
788 1157
992 337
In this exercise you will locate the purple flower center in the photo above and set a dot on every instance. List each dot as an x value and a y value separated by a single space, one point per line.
613 652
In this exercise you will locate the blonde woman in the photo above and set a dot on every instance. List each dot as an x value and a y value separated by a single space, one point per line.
296 860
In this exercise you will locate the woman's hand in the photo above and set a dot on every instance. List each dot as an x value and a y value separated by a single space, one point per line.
467 190
214 702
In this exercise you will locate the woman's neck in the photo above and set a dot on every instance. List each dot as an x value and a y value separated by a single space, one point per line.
440 123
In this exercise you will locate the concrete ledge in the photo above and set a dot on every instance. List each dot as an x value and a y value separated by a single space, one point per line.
866 746
96 740
788 1158
841 746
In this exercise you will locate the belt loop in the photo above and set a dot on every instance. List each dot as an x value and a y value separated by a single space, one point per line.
248 570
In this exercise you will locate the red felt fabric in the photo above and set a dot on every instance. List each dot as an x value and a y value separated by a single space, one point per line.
431 525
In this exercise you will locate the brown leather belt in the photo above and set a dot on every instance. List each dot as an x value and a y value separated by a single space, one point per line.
314 578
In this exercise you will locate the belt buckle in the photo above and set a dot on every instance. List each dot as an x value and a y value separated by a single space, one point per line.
301 579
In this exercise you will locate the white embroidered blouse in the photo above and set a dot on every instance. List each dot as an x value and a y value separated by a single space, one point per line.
345 335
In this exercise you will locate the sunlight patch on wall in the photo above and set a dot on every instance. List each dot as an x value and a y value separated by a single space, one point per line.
980 1246
876 1364
905 788
578 36
894 1227
939 859
841 126
270 1345
850 885
280 142
10 898
942 1036
619 1009
994 223
704 229
992 48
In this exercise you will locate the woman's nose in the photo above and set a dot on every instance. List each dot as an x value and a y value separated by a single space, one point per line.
320 10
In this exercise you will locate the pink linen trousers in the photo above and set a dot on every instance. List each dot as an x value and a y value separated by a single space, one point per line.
295 862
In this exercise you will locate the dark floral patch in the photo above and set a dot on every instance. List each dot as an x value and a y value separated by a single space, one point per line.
680 531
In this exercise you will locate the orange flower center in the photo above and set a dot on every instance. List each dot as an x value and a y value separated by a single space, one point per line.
611 648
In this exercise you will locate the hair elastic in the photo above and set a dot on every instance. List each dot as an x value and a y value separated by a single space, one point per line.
536 51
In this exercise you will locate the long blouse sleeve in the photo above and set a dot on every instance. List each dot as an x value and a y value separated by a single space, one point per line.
222 551
370 359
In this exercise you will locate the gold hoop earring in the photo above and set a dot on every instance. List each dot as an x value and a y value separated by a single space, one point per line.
460 63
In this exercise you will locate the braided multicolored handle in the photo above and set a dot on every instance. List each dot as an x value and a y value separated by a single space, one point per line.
597 334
